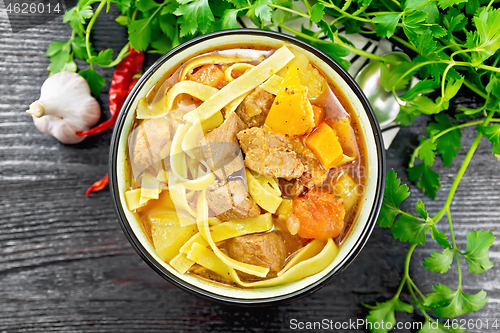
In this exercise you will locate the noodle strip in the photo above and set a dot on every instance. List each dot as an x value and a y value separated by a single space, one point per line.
211 59
164 105
241 85
203 227
239 66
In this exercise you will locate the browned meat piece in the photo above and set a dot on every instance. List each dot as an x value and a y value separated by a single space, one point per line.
269 154
149 143
255 107
265 250
291 188
231 201
222 149
314 174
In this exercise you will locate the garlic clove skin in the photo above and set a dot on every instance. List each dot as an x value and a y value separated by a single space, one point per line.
65 107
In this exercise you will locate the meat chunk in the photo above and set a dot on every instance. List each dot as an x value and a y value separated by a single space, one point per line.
210 75
269 154
265 250
231 201
149 143
314 174
291 188
255 107
221 147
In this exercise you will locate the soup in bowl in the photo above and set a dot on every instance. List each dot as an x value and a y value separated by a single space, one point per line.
247 167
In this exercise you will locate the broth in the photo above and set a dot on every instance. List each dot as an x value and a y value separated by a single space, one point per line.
255 238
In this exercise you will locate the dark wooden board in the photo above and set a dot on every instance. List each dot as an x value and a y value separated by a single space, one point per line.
65 264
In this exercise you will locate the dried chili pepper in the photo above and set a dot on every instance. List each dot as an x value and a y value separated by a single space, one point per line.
122 83
119 89
98 185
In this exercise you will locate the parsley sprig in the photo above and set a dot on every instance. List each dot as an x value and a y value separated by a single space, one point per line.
453 44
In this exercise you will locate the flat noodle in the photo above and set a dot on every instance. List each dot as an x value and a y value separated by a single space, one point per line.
179 167
133 197
301 270
345 159
241 85
196 238
178 195
164 105
264 190
308 251
211 59
231 229
150 187
272 85
181 263
241 66
203 227
206 258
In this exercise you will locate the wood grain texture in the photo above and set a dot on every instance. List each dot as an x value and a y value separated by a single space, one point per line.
66 266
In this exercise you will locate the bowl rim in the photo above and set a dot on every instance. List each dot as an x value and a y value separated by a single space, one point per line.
365 233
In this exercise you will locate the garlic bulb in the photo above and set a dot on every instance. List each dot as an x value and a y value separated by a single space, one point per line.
65 107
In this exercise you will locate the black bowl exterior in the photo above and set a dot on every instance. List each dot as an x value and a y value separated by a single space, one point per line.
365 234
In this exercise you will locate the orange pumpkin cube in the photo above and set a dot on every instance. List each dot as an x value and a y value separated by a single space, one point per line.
325 145
289 114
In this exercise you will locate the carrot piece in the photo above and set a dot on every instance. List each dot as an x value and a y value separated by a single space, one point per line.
210 75
346 135
289 114
325 145
318 115
321 215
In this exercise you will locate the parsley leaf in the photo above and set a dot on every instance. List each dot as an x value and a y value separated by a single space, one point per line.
487 40
452 88
317 12
196 16
421 88
139 34
104 58
408 229
384 312
261 10
477 253
94 79
394 195
449 303
230 19
492 132
61 58
439 262
386 24
80 49
493 87
440 237
426 151
447 144
413 24
146 5
448 3
426 178
392 77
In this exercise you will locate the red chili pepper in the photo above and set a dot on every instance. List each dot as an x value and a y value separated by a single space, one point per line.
98 185
123 80
119 89
132 84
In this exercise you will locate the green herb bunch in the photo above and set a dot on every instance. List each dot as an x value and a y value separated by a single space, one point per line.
453 43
